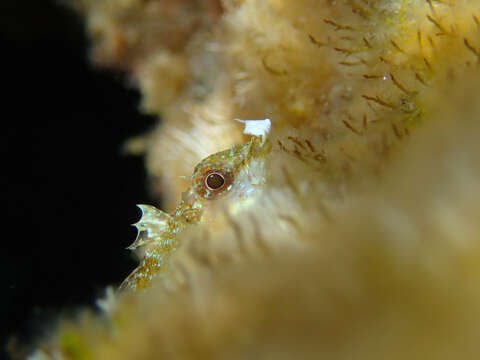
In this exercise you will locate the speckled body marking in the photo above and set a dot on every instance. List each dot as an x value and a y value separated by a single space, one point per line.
234 174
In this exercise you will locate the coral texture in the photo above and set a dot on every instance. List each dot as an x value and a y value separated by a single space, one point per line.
363 241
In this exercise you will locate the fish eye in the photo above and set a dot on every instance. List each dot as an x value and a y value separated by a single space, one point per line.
214 181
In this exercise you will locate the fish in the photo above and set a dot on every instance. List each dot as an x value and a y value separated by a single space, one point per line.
235 175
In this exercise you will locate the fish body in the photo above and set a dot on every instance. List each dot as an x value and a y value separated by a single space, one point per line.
235 175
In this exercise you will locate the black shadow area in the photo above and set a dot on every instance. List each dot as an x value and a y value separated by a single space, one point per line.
68 191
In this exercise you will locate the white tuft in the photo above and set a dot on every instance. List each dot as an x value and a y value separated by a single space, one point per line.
109 303
259 127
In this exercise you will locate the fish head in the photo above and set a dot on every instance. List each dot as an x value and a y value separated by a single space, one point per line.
229 177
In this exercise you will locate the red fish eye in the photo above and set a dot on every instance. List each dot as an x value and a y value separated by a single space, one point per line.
214 181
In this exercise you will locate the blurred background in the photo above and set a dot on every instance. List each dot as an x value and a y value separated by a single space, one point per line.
68 190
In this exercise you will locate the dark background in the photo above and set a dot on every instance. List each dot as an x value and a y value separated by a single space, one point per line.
68 190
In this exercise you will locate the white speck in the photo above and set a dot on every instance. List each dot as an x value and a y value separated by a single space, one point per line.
259 127
109 302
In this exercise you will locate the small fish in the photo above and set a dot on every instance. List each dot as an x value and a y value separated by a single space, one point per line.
235 175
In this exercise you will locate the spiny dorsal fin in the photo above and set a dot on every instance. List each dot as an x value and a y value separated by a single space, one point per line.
151 226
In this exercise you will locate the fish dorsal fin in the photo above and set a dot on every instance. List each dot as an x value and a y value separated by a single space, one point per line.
151 227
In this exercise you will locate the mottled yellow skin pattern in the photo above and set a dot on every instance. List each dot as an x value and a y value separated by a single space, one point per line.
157 230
